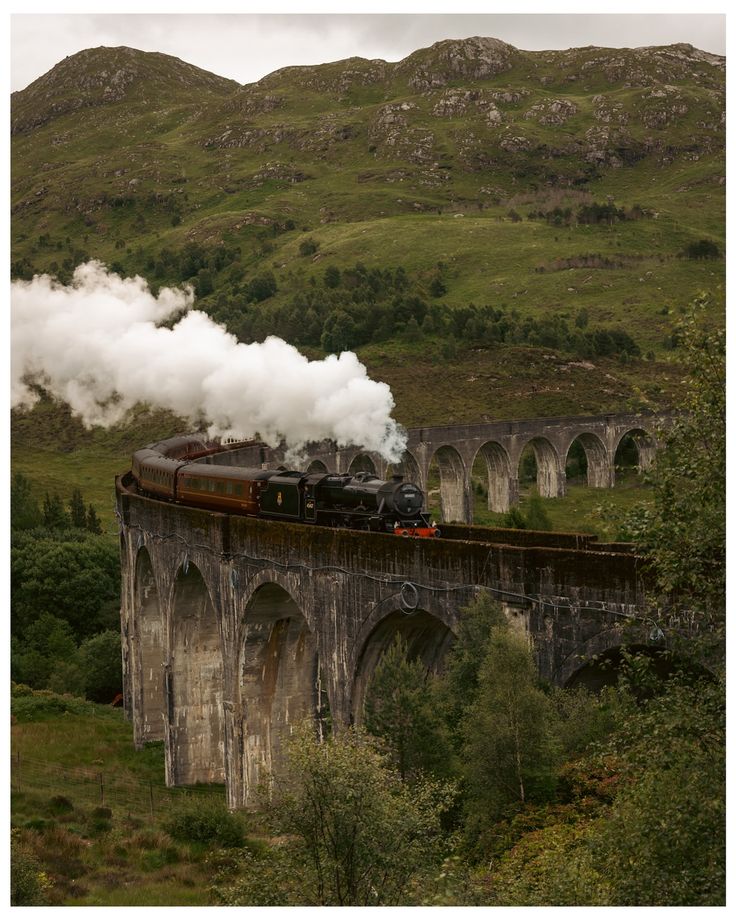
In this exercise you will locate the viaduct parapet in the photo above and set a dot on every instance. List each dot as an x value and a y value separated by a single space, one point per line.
453 451
235 628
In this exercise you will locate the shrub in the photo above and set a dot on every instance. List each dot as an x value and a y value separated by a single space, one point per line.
198 821
28 705
514 519
308 247
60 805
264 879
703 249
28 882
536 517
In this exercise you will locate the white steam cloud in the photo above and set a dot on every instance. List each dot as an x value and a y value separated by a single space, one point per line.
99 345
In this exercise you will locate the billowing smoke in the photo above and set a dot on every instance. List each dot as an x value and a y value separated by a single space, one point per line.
99 344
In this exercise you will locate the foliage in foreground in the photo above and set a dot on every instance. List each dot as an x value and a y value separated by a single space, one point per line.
684 533
28 882
660 837
573 798
356 833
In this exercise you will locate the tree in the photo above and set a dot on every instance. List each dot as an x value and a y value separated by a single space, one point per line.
464 660
24 511
205 285
509 751
412 331
664 842
437 287
71 574
101 663
261 287
339 332
332 276
54 516
360 833
93 521
46 642
684 533
77 510
402 709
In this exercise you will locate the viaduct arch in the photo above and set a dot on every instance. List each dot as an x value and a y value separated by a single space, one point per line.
234 628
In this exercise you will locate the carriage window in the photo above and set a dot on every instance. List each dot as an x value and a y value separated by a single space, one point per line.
229 488
238 488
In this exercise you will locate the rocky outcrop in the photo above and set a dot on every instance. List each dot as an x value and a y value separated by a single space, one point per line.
249 103
662 106
461 103
469 59
552 111
609 111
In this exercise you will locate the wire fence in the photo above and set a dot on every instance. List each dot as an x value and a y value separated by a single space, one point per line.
87 786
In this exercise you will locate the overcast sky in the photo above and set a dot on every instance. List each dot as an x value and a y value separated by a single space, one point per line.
246 47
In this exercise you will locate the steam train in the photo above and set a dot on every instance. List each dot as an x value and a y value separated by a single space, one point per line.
177 470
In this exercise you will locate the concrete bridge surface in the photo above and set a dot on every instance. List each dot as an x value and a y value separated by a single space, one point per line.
234 628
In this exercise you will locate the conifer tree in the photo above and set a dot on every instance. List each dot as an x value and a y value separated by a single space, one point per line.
24 510
401 709
77 511
93 521
54 516
509 750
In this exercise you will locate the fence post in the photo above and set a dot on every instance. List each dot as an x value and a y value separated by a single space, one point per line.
102 790
18 771
150 790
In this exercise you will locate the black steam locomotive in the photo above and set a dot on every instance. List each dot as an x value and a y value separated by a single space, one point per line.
177 470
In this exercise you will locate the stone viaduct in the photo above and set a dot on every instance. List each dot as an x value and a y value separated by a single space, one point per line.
234 628
453 451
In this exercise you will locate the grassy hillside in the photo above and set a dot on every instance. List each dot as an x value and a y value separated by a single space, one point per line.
376 206
99 847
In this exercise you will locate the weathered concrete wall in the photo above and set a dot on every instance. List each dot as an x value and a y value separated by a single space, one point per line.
235 628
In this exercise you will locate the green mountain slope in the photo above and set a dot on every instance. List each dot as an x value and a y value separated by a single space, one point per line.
362 204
